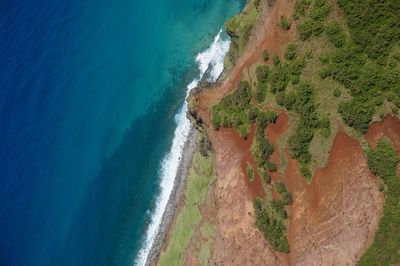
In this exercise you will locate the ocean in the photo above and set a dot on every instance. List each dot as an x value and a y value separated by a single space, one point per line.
92 121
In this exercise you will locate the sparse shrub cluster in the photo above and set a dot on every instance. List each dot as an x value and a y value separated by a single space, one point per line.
384 250
271 217
234 110
300 8
271 225
335 33
286 197
313 24
374 25
263 74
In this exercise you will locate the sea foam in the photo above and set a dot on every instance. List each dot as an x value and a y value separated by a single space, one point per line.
213 59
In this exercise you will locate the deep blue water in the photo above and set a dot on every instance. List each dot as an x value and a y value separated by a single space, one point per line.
88 94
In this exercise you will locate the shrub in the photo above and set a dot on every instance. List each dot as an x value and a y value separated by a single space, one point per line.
290 52
262 74
382 161
335 33
273 229
265 55
320 10
271 166
305 29
265 176
280 78
277 61
250 172
337 92
285 194
285 23
357 113
300 7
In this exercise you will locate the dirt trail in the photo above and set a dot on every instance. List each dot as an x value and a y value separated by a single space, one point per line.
334 217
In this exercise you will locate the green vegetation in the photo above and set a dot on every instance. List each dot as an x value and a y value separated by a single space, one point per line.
316 13
200 177
335 33
261 147
285 23
374 25
286 197
385 248
265 55
271 225
234 110
250 172
300 8
239 29
337 92
271 218
290 52
208 233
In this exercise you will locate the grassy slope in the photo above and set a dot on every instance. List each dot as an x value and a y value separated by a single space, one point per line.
189 219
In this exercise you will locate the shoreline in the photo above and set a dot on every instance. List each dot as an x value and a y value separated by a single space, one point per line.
175 197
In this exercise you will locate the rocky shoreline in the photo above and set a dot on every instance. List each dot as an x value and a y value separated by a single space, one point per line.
175 197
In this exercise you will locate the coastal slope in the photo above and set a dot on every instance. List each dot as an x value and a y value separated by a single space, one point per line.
292 126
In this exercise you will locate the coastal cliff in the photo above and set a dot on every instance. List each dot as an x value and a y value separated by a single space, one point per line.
286 161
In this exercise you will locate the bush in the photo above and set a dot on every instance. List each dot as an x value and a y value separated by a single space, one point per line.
280 78
305 29
382 161
285 194
271 166
233 109
337 92
300 7
285 23
262 74
290 52
335 33
265 176
273 229
357 113
276 60
250 172
265 55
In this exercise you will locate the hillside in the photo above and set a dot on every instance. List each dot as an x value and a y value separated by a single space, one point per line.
303 136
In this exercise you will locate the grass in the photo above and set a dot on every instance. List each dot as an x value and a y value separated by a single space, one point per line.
201 176
208 233
239 29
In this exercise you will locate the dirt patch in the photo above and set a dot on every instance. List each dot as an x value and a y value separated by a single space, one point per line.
333 218
238 242
389 127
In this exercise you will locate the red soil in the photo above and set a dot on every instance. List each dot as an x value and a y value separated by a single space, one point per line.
389 127
333 218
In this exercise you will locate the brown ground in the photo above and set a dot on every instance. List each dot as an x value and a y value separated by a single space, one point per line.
332 220
389 127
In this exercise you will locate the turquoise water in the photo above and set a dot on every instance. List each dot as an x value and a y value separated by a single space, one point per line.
88 97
